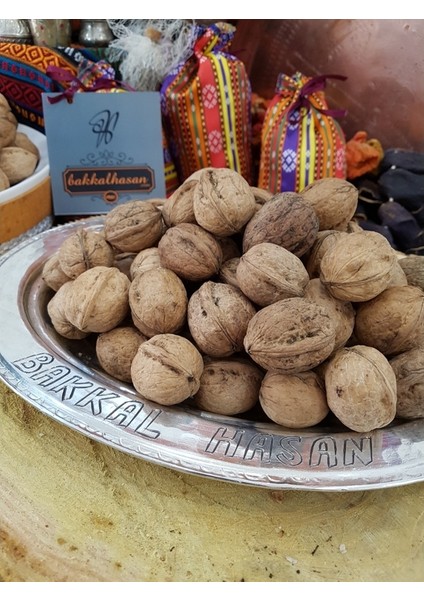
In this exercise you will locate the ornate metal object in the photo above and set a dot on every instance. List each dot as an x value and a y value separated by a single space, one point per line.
61 378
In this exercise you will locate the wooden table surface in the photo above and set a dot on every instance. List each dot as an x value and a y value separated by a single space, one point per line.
73 509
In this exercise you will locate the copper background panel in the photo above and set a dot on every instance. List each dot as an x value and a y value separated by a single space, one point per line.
383 60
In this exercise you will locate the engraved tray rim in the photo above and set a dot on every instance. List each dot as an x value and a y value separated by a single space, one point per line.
58 383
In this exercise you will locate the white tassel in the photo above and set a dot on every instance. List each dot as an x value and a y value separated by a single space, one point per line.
148 50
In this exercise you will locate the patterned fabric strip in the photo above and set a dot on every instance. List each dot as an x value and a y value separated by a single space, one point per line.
292 141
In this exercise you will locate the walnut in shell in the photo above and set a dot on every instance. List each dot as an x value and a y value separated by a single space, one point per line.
144 260
228 272
218 315
398 276
190 251
334 200
361 388
413 267
167 369
261 196
223 201
4 181
17 163
293 400
83 250
4 103
409 371
115 351
8 126
267 273
133 226
178 208
229 386
286 220
358 267
292 335
342 312
53 274
56 309
158 302
324 241
98 300
22 141
393 322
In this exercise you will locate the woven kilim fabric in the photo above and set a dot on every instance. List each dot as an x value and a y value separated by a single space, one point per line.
206 107
301 139
23 76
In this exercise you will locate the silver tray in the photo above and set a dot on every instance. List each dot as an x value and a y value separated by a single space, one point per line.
61 379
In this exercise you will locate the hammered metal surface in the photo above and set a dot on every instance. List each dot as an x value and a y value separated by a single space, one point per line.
61 379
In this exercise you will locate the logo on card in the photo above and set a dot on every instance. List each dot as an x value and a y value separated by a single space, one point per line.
108 182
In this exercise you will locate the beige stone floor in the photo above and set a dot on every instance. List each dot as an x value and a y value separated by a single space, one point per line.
72 509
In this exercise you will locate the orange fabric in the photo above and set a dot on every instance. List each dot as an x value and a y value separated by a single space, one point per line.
362 155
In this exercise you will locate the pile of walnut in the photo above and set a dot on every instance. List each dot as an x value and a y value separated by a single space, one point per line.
234 299
18 155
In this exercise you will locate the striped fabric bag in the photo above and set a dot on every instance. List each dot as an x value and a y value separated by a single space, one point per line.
206 107
301 139
23 76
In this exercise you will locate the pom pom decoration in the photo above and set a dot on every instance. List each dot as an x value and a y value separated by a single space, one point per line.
149 49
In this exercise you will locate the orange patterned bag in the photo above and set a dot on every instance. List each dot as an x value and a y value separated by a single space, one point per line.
206 106
301 139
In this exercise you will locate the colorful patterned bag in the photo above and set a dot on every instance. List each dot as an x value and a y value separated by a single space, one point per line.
24 77
301 140
206 107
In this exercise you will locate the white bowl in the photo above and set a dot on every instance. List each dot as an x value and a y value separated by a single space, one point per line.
41 172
